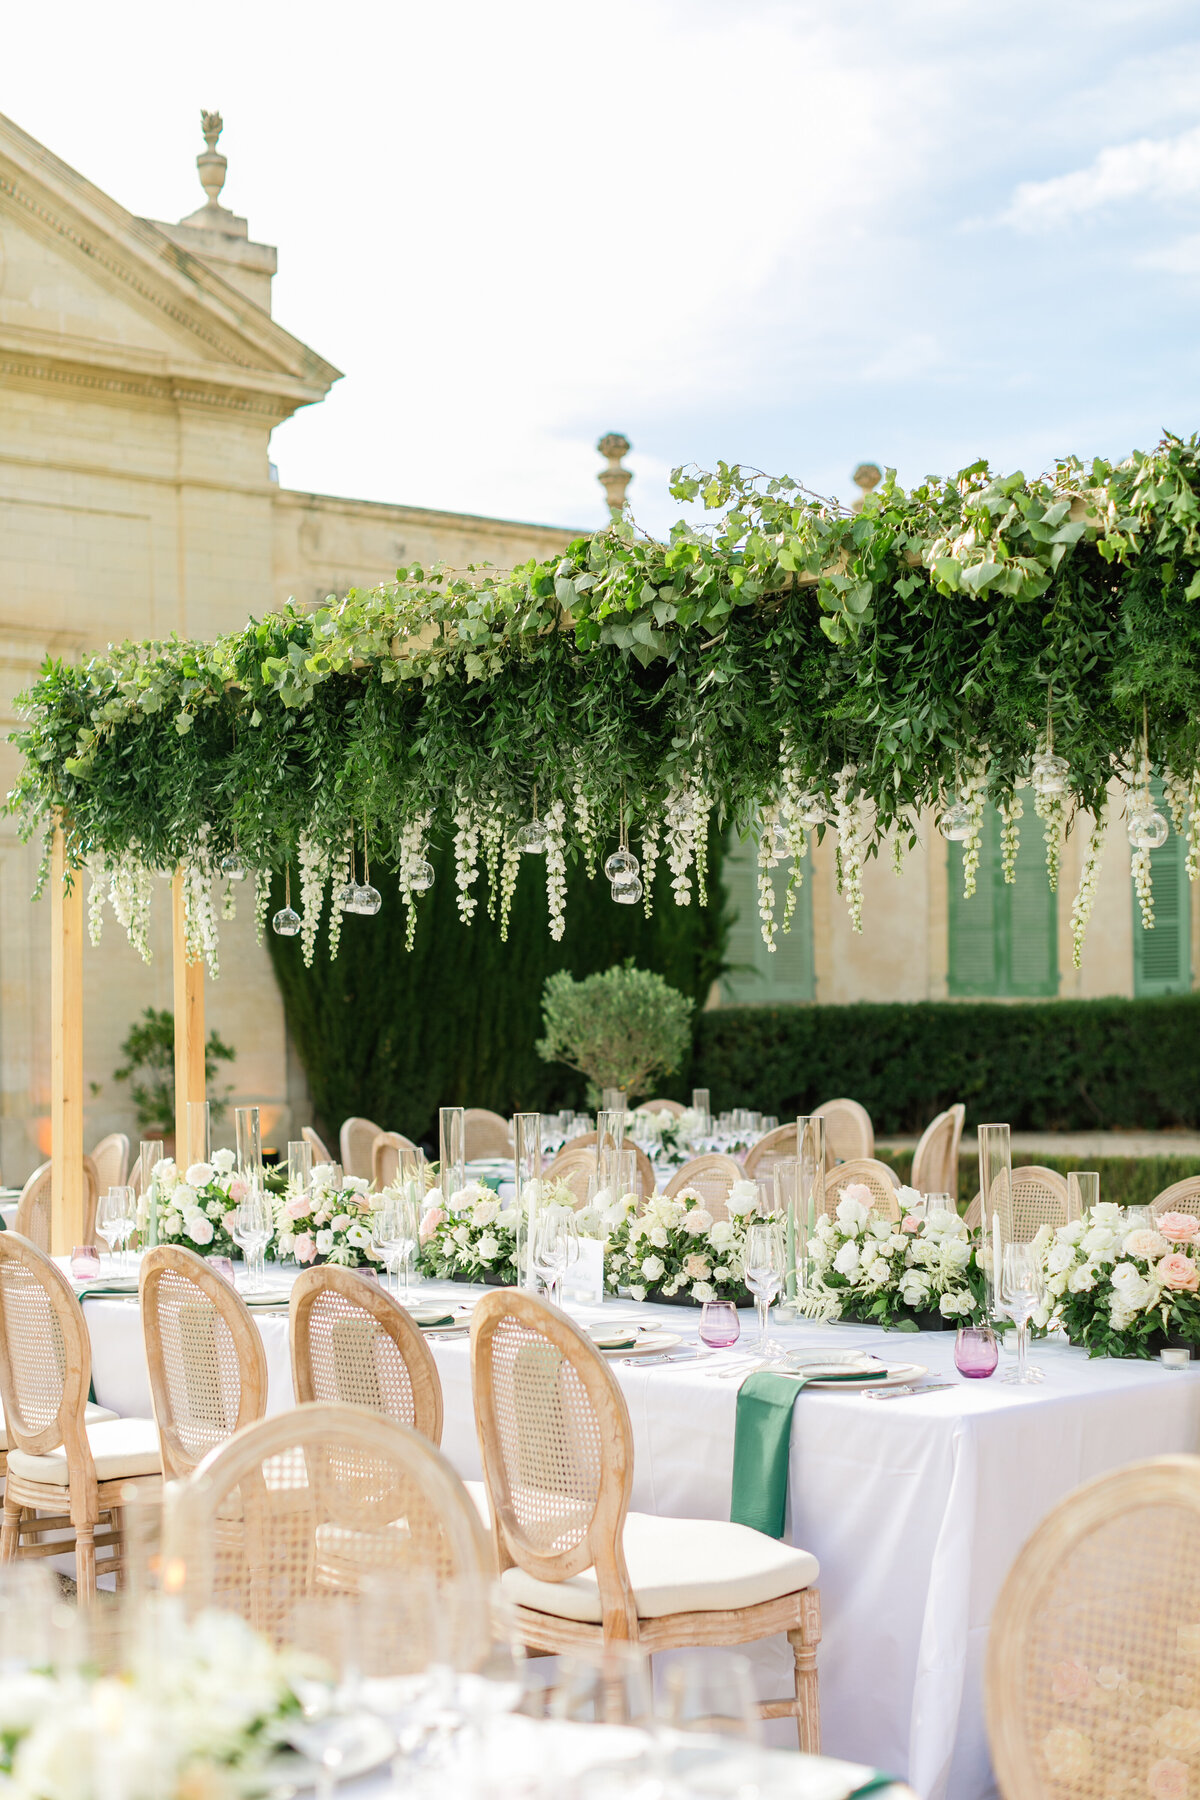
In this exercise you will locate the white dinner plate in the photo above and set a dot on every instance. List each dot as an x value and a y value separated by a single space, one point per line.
649 1343
892 1375
289 1769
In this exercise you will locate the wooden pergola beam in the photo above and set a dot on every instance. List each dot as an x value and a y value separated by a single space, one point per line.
189 1022
66 1050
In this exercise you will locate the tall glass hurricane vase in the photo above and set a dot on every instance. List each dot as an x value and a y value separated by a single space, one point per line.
452 1150
1083 1192
150 1154
610 1138
249 1144
810 1174
786 1179
527 1146
996 1204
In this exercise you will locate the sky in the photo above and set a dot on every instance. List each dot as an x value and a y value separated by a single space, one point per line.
798 234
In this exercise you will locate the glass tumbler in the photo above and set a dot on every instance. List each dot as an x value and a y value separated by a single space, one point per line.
719 1324
976 1351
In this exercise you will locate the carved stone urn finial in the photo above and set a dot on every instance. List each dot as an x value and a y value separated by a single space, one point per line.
616 478
866 477
211 164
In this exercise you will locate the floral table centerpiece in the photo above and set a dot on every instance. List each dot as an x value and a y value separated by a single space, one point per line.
918 1274
675 1250
475 1237
666 1137
1122 1290
327 1224
194 1207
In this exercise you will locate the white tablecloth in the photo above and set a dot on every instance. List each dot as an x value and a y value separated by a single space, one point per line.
915 1507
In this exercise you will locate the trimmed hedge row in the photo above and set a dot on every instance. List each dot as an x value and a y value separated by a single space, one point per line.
1066 1065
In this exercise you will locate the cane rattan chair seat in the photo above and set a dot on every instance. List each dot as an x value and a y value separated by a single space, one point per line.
208 1368
880 1177
485 1133
45 1374
33 1207
776 1146
1092 1658
1182 1196
849 1133
712 1176
357 1141
385 1158
557 1449
331 1500
574 1166
1039 1197
352 1343
935 1159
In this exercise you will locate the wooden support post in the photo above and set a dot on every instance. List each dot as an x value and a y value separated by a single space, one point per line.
66 1053
189 1023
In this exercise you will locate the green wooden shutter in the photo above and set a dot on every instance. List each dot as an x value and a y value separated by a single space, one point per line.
758 976
1004 940
1162 958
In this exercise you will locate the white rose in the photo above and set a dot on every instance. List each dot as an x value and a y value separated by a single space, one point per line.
1083 1279
852 1215
355 1184
198 1228
484 1211
914 1291
654 1268
911 1200
184 1195
881 1229
1061 1257
637 1293
200 1174
325 1241
215 1209
846 1261
359 1236
166 1173
721 1235
658 1237
696 1221
721 1273
1057 1285
223 1161
170 1223
876 1271
703 1290
743 1199
488 1247
1071 1234
1131 1288
285 1243
956 1253
1098 1240
1108 1214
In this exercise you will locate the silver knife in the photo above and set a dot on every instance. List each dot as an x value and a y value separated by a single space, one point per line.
904 1393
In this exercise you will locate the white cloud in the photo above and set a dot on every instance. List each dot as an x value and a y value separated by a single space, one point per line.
1182 257
1155 170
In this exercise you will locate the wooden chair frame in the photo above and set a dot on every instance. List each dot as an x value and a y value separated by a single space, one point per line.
775 1147
356 1141
385 1158
486 1133
247 1340
675 1107
852 1113
935 1159
868 1170
1025 1174
114 1148
1181 1196
701 1169
321 1152
568 1159
798 1614
368 1298
33 1510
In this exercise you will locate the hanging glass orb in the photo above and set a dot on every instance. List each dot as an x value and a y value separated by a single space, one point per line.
955 823
621 862
345 896
532 838
1050 774
232 867
678 809
286 922
369 900
811 810
420 880
781 842
627 890
1148 829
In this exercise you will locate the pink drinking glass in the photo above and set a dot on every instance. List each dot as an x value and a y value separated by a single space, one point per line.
719 1324
976 1351
85 1262
224 1266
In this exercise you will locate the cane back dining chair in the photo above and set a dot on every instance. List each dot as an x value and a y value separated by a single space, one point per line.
1039 1197
332 1500
578 1566
356 1141
1091 1674
33 1208
935 1159
1182 1196
712 1176
676 1108
205 1355
70 1467
849 1133
110 1158
775 1147
352 1343
879 1177
575 1164
320 1150
485 1133
386 1152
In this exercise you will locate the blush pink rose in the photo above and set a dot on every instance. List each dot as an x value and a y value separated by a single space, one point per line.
297 1208
857 1190
1179 1272
429 1224
306 1248
910 1223
1168 1779
1069 1681
238 1189
1180 1228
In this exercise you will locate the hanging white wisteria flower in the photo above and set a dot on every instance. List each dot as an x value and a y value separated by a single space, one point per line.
585 828
768 858
199 918
262 902
1049 803
847 823
649 862
415 874
795 810
97 895
339 875
702 806
313 858
509 869
229 901
1175 792
491 831
1085 894
1011 808
681 841
466 861
972 793
556 868
1192 863
130 890
1139 865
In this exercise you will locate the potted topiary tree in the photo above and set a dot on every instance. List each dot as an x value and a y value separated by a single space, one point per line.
620 1029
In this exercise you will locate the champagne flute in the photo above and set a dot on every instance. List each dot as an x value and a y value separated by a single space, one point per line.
765 1265
110 1218
1021 1290
250 1228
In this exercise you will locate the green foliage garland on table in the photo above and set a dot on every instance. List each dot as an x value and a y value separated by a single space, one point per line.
793 667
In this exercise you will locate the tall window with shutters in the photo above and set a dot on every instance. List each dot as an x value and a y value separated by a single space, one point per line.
1162 958
758 976
1004 939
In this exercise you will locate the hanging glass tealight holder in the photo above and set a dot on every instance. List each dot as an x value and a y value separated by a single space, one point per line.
420 877
955 823
1148 829
369 899
622 867
286 922
811 810
345 897
531 838
621 862
627 889
1049 774
232 867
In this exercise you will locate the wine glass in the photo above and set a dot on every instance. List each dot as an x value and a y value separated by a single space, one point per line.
555 1247
764 1263
707 1704
109 1219
1021 1290
402 1224
250 1228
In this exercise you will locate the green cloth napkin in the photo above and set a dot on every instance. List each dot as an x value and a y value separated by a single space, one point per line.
614 1343
428 1322
490 1181
876 1785
761 1437
104 1290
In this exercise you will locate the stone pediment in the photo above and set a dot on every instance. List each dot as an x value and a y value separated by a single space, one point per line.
86 285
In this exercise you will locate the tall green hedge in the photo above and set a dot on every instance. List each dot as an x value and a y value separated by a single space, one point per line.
1067 1065
392 1035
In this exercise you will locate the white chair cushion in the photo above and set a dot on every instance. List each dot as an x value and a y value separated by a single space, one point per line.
678 1566
120 1448
93 1416
479 1495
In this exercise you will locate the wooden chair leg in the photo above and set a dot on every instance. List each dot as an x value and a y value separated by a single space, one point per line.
85 1564
10 1531
804 1643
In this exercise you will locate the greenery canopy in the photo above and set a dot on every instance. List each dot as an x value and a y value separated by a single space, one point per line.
792 663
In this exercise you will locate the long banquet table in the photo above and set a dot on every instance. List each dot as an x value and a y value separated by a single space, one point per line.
915 1507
